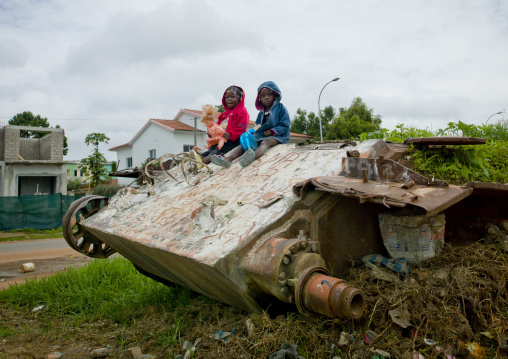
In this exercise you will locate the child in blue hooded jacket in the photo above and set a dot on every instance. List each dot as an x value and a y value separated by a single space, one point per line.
273 126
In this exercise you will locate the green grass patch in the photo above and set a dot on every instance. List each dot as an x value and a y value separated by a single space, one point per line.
29 233
105 289
6 332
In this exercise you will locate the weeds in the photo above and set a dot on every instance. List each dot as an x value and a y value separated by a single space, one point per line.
106 190
457 164
105 289
29 233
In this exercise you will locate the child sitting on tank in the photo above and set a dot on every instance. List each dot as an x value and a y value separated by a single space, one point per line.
272 126
234 119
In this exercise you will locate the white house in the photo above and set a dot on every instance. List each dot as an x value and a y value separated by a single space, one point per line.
160 137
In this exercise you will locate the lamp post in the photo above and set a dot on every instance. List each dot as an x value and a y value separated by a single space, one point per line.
319 107
497 113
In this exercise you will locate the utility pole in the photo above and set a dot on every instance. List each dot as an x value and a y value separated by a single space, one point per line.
195 131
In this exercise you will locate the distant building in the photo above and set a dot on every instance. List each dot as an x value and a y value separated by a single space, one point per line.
160 137
74 171
31 166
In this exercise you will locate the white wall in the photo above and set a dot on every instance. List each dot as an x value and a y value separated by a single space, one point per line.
122 154
164 141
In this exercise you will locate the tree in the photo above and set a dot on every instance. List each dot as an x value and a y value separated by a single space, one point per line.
27 118
220 108
353 121
93 165
309 124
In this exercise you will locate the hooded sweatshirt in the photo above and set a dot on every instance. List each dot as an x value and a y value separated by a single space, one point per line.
238 117
278 121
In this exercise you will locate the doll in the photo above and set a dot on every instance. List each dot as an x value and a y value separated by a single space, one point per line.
215 131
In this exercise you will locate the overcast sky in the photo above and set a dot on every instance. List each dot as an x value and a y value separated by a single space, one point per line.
111 65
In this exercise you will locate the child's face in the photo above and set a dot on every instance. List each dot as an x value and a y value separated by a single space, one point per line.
267 97
232 99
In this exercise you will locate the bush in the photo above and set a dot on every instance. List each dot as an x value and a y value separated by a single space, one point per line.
74 185
106 190
457 164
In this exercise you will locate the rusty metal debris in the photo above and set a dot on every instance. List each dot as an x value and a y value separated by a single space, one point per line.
445 140
283 229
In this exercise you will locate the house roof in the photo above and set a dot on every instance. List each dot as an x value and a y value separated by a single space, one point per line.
299 135
195 113
170 125
175 125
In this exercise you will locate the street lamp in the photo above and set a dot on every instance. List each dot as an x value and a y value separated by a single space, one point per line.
497 113
319 107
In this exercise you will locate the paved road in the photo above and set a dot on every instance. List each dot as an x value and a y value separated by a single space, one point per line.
48 255
32 245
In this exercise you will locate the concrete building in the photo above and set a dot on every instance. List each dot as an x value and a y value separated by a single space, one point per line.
30 166
74 171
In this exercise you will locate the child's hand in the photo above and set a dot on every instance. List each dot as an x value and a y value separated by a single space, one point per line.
269 133
226 135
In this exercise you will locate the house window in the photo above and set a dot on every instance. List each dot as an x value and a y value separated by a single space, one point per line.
152 154
129 161
68 173
76 173
187 148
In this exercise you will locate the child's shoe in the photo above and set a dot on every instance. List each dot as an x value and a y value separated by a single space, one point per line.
219 161
247 158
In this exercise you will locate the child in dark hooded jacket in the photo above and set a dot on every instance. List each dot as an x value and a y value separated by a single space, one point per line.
237 118
273 126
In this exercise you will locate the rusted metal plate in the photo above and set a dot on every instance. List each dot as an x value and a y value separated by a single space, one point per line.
445 140
380 169
432 199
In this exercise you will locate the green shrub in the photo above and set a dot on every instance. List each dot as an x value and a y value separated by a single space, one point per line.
106 190
74 185
457 164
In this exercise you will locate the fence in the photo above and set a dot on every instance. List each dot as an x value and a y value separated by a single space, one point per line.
36 212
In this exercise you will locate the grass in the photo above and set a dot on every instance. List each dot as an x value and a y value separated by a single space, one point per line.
112 288
109 303
29 233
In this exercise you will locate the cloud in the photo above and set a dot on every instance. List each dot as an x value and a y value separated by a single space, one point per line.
187 31
110 65
13 55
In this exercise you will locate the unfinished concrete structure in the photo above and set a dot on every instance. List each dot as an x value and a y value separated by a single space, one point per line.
30 166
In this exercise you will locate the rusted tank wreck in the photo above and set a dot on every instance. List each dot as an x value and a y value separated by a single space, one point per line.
282 229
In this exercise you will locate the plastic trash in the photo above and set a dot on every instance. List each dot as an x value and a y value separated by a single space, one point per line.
286 352
398 265
476 351
415 238
27 267
369 336
400 317
224 336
